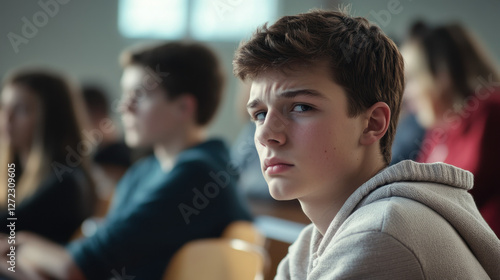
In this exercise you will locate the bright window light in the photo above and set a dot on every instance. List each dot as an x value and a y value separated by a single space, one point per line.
204 20
229 20
165 19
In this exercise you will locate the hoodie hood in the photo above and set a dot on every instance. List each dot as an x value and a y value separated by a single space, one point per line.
444 190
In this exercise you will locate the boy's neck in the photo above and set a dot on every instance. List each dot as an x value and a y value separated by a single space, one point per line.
323 209
167 153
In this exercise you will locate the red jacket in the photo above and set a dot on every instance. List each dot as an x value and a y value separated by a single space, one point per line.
471 141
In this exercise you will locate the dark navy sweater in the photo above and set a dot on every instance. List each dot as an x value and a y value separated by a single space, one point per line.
154 213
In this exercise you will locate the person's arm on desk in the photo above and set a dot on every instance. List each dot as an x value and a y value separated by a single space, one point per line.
38 258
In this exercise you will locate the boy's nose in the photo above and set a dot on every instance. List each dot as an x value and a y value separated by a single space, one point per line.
7 115
272 131
126 105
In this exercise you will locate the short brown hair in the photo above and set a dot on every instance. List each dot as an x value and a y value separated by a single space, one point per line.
191 68
363 60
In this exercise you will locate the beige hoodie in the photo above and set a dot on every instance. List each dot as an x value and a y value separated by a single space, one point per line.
410 221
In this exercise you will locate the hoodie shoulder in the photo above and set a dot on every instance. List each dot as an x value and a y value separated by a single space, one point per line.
437 246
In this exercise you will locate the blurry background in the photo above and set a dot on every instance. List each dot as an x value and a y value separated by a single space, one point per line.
84 38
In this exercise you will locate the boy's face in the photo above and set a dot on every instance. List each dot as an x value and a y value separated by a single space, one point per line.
308 146
149 118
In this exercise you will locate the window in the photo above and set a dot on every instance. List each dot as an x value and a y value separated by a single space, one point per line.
152 18
230 20
207 20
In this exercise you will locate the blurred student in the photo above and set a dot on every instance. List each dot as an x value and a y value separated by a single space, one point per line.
40 139
456 94
111 151
408 138
112 157
244 154
185 191
325 97
409 132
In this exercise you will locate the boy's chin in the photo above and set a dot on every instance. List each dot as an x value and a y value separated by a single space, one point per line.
134 141
280 192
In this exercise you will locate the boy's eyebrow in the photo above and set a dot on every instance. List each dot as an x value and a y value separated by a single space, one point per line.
288 94
253 103
295 93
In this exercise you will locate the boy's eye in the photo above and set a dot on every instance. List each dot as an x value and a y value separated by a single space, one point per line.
301 108
260 116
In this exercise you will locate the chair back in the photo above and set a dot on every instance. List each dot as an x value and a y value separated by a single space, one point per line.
246 231
217 259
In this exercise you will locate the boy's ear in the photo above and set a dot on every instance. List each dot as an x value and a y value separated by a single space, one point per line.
378 117
187 105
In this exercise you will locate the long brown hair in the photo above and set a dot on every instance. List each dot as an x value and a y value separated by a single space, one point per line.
453 49
59 126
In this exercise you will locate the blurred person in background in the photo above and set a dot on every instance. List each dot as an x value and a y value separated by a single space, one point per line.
186 190
112 157
455 93
409 133
41 133
244 154
408 138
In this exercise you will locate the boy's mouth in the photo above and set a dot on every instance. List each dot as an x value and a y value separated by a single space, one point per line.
275 166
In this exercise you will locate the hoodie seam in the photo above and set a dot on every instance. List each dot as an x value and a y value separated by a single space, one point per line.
391 236
407 248
399 241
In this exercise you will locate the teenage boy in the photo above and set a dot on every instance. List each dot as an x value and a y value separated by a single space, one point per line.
325 97
185 191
